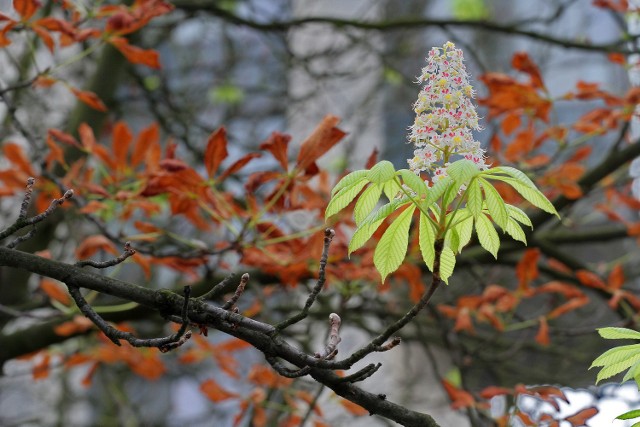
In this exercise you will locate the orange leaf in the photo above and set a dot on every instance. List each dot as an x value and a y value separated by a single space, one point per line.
78 325
353 408
277 145
213 391
568 306
580 418
89 98
527 268
62 137
41 369
148 138
325 136
491 391
120 142
510 123
55 152
45 36
542 337
4 40
93 244
26 8
238 164
616 277
522 62
521 145
216 151
15 154
136 55
590 279
459 398
55 290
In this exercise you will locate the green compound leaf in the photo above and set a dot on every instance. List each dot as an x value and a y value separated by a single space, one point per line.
362 235
519 215
615 368
462 171
414 182
385 210
633 372
629 415
514 230
496 206
519 176
487 235
619 333
474 198
464 228
366 202
381 172
427 237
342 199
447 264
452 240
392 247
349 180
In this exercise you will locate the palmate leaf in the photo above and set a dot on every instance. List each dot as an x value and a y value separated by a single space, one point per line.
381 172
474 198
349 180
531 194
496 206
392 247
391 189
447 264
414 182
462 171
519 215
366 202
514 230
427 238
342 198
385 210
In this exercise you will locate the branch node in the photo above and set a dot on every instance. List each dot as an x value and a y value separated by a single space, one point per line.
128 251
229 305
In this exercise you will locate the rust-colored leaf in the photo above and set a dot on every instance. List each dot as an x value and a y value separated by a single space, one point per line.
510 123
492 391
521 145
542 337
590 279
460 399
321 140
77 325
120 142
26 8
216 151
41 369
527 268
580 418
14 153
56 154
4 40
55 290
568 306
89 98
238 164
616 278
215 392
93 244
522 62
277 145
136 55
45 36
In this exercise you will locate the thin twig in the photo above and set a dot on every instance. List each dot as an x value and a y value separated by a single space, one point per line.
217 289
362 374
128 251
238 293
287 372
334 339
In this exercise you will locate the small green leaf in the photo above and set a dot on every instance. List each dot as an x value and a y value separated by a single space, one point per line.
362 235
427 237
366 202
414 182
495 204
392 247
452 240
512 172
514 230
464 228
349 180
633 372
385 210
474 198
519 215
487 235
447 264
616 355
462 171
381 172
629 415
618 333
611 370
342 199
531 194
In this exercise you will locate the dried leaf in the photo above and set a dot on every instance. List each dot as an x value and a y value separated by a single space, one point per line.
215 392
277 145
120 142
93 244
136 55
542 337
321 140
460 399
89 98
55 290
580 418
216 151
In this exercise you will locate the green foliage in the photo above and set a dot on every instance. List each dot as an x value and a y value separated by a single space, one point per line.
469 9
621 358
456 204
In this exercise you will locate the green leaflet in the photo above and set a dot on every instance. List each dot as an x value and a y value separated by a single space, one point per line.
341 199
519 215
447 264
381 172
496 206
392 247
616 355
414 182
487 235
474 198
531 194
362 235
633 372
514 230
366 202
629 415
385 210
391 189
349 180
452 240
618 333
464 228
514 173
462 171
427 238
436 191
613 369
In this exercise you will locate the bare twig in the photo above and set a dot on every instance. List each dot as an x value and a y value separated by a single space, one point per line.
164 344
217 289
329 234
362 374
287 372
239 291
334 339
128 251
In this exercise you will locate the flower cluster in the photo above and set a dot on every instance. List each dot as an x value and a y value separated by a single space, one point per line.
445 115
